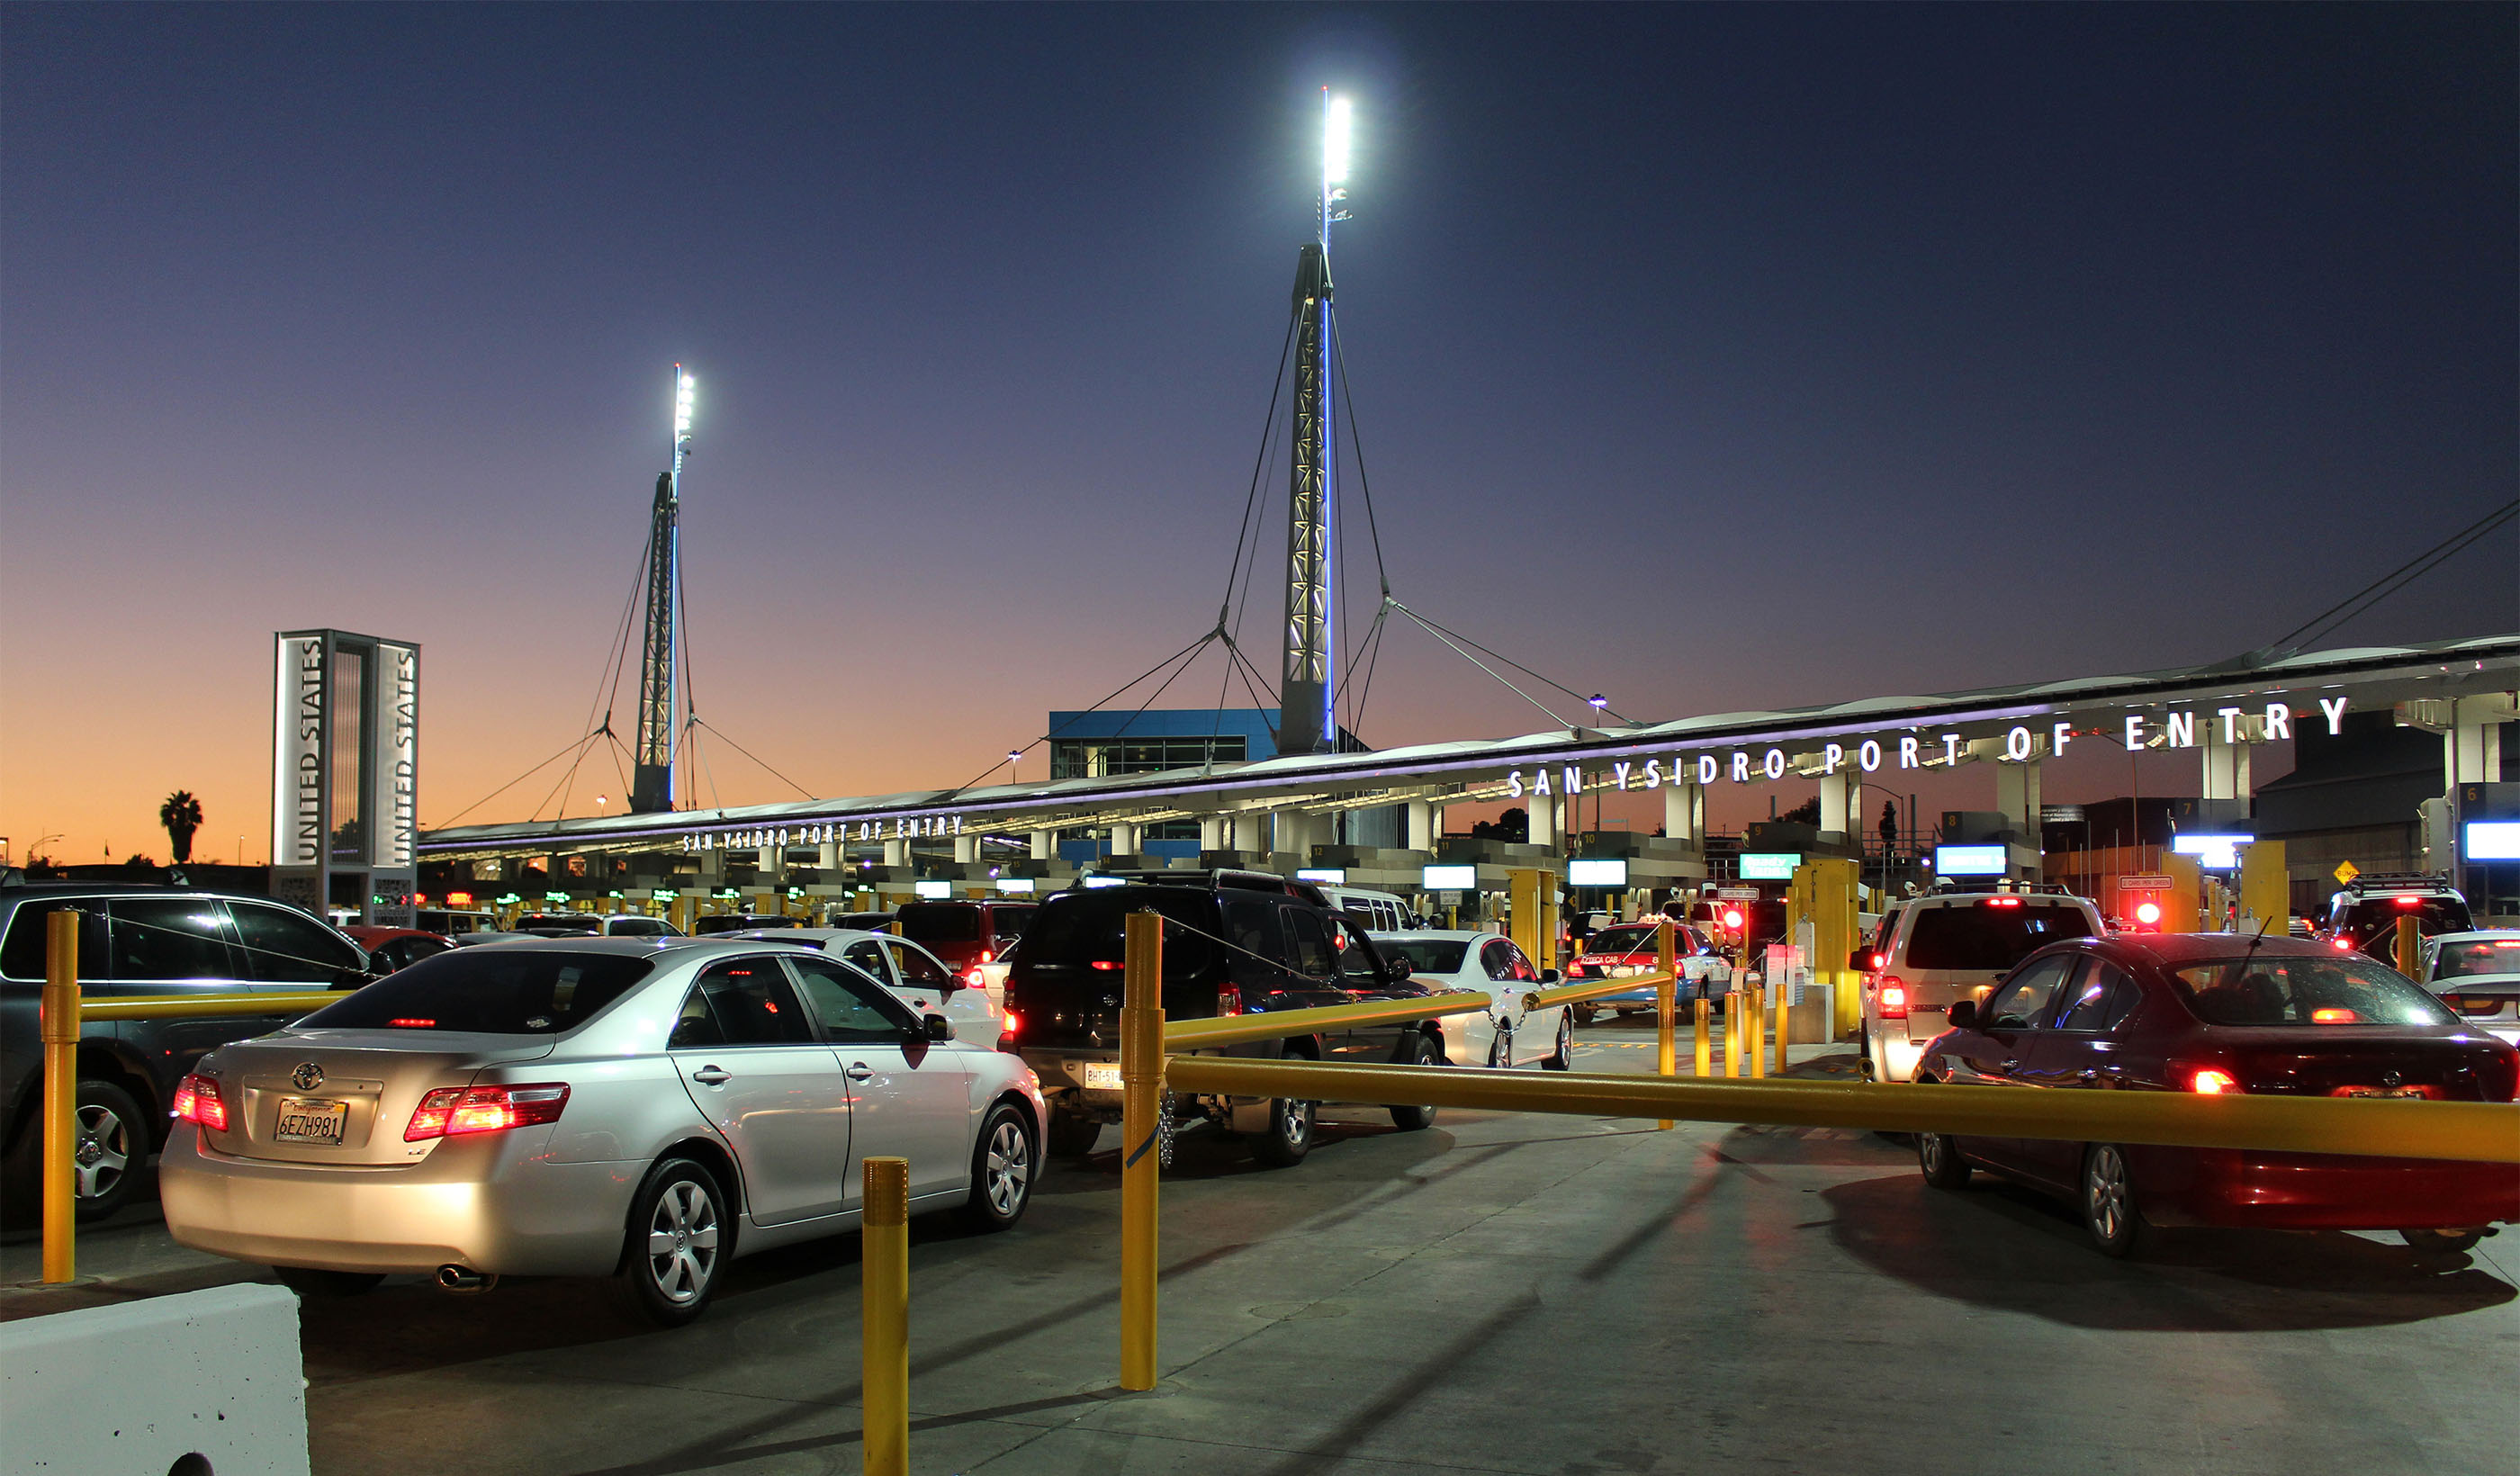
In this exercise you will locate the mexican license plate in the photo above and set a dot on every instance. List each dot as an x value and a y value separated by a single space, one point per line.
1101 1076
304 1119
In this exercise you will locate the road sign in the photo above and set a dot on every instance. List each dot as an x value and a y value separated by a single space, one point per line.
2143 883
1736 894
2346 872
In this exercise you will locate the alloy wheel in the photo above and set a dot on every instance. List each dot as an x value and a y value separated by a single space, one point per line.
102 1150
2107 1195
682 1241
1009 1174
1295 1125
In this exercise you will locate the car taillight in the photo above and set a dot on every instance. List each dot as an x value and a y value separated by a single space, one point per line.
2344 945
2409 900
1013 1024
976 978
1108 964
1229 1001
452 1111
2211 1081
1894 1000
2482 1004
2000 902
198 1101
987 957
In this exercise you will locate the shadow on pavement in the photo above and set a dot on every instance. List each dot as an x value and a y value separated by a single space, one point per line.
2001 1246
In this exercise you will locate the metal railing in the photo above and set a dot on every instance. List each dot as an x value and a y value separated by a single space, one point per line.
65 1012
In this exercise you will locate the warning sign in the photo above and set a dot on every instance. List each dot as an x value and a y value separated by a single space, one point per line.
2346 872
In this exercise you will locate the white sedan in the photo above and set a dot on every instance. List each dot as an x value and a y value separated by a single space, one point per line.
1507 1032
918 977
2478 974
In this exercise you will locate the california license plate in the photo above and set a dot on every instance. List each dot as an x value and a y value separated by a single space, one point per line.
309 1120
1101 1076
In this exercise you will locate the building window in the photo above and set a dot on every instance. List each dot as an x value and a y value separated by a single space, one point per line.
1091 758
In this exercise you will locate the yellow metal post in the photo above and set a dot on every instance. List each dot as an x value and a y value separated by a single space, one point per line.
2408 961
1754 1029
1732 999
1705 1040
60 1030
1666 1003
1142 1094
2266 889
2183 908
1522 912
885 1261
1550 923
1785 1005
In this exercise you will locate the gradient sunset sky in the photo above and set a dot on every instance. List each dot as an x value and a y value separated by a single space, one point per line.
1709 357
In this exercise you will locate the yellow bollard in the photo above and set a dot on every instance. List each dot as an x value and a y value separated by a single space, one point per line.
1784 998
1142 1087
884 1232
2408 960
1705 1040
1666 1004
1754 1029
1732 999
60 1030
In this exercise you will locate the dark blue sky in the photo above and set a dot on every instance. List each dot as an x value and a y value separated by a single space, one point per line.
1714 357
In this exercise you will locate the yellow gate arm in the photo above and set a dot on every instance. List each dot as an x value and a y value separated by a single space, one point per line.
2367 1127
1277 1024
186 1006
1592 989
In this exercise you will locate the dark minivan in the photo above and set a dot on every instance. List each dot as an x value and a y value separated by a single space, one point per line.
965 934
141 940
1235 943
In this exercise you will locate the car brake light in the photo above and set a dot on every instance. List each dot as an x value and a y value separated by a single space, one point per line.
976 978
1229 1001
198 1101
1881 961
1013 1023
987 957
1109 964
2000 902
1894 1000
451 1111
2408 901
2334 1016
2211 1081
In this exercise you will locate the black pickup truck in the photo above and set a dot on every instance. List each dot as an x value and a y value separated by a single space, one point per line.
1235 943
140 940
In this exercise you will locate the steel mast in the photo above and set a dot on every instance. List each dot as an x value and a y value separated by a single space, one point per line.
651 779
1307 695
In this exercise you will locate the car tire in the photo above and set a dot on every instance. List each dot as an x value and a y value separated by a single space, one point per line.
2109 1202
1417 1119
311 1284
2443 1243
680 1236
1003 1164
1501 1049
1584 1013
1072 1136
110 1145
1562 1058
1938 1156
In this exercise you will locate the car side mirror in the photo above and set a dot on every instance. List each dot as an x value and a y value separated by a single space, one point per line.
1549 976
1396 969
1963 1015
939 1028
1861 961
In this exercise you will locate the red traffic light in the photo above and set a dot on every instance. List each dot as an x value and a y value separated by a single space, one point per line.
1733 918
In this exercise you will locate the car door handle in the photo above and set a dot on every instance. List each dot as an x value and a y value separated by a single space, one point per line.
710 1076
859 1071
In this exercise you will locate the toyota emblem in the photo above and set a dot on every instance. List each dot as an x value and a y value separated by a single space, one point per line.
2392 1080
307 1077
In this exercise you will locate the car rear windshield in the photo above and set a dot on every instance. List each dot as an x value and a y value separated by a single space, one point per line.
2432 915
2479 955
1983 935
584 922
1425 956
2340 989
1089 928
939 923
1625 939
491 990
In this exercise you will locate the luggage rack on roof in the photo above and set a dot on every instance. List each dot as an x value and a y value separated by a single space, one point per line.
1993 886
2400 881
1210 877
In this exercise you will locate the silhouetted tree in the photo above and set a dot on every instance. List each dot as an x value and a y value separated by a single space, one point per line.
1889 824
1807 813
181 815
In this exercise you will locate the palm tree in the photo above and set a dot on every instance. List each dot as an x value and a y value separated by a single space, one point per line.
181 815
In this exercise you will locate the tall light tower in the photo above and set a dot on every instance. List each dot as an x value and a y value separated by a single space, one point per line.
651 779
1307 697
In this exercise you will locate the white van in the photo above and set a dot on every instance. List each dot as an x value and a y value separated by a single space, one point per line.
1930 951
1375 912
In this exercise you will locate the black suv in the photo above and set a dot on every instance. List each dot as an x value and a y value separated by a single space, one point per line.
1235 943
2364 915
140 940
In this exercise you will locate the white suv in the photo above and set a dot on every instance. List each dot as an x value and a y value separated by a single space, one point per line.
1930 951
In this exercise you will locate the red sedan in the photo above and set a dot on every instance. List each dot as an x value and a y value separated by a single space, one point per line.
2224 1012
393 948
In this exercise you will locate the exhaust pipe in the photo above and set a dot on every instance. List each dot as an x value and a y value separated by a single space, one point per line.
464 1278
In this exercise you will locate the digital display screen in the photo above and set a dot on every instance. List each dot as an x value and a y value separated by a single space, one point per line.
2493 841
1970 861
1769 865
1613 873
1449 878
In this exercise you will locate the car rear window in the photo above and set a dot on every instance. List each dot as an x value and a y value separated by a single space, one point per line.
1433 956
490 991
2341 989
1627 938
2481 955
1981 935
2432 915
939 923
1089 928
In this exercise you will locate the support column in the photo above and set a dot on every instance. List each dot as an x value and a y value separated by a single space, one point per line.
1293 832
827 858
1841 803
772 877
966 847
2016 794
2225 763
1045 845
1422 816
2472 749
1250 832
1213 832
1542 810
896 851
1683 812
1124 838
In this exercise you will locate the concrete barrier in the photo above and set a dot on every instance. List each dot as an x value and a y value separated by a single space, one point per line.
205 1383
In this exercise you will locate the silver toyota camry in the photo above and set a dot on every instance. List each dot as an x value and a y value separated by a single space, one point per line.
640 1109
